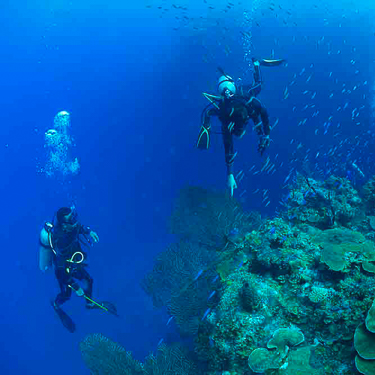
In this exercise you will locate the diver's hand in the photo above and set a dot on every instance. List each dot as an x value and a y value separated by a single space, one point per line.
80 292
94 236
264 142
231 184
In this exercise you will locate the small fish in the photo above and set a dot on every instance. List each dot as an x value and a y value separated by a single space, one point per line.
169 320
215 278
211 295
206 313
287 178
272 230
276 122
160 341
240 265
198 274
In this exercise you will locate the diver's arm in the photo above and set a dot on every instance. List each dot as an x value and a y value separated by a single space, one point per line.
256 108
207 117
86 231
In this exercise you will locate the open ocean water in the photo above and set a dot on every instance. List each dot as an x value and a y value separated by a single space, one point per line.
131 77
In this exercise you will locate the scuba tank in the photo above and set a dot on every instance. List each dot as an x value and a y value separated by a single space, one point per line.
46 251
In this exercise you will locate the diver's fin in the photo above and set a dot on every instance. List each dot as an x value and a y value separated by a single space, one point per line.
273 62
66 320
204 137
105 305
111 308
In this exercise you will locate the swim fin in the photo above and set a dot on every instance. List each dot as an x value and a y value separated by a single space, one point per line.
105 305
204 138
66 320
266 62
111 308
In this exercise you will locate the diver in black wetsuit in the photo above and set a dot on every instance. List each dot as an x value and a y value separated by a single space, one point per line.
234 108
60 244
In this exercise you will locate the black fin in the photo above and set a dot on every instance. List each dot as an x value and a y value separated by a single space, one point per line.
203 142
66 320
110 307
271 62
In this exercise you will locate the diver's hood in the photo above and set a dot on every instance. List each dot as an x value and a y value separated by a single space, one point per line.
226 83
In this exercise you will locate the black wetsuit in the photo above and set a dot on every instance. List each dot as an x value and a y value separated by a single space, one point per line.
65 244
234 114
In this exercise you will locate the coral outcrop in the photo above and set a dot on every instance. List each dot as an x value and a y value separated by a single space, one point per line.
285 295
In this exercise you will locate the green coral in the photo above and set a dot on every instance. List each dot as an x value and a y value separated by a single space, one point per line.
283 337
368 266
370 319
299 363
319 294
364 342
341 247
365 367
262 359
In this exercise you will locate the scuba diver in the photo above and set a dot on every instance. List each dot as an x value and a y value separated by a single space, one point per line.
235 107
60 245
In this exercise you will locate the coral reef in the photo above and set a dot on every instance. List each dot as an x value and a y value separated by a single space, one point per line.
284 295
209 217
103 356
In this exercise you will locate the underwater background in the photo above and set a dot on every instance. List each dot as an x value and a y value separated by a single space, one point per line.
131 76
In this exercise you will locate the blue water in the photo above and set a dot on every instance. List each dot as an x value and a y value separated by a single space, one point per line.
132 79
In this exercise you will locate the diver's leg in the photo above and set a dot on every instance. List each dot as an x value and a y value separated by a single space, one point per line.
81 274
257 73
65 292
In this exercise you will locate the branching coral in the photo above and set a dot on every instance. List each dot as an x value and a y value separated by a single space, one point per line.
169 360
208 217
175 269
104 357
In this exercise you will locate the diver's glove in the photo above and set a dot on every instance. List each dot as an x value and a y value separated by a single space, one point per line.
264 142
94 236
231 184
